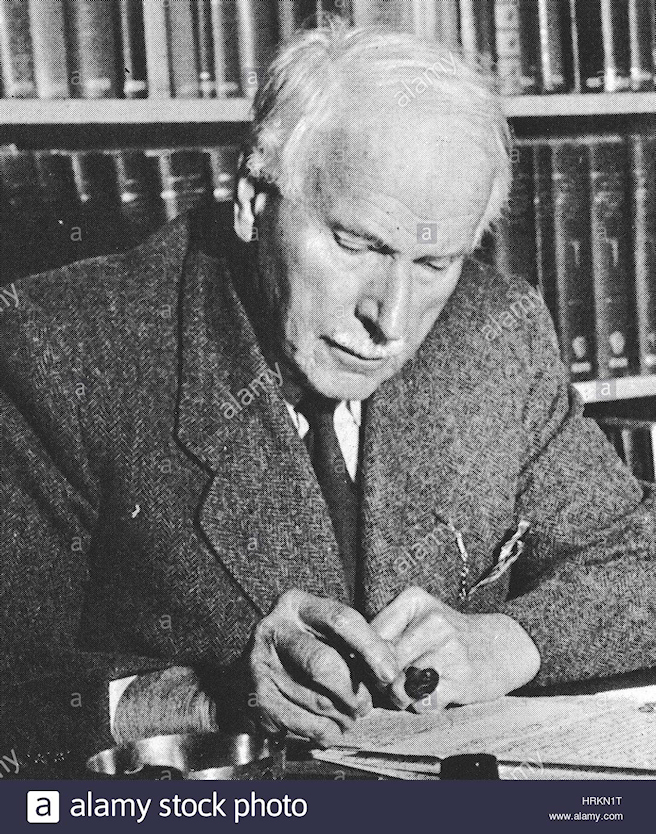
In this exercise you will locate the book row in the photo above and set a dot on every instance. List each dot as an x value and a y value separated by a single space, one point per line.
60 206
581 225
221 48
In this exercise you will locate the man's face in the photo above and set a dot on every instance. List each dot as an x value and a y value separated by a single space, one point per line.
362 281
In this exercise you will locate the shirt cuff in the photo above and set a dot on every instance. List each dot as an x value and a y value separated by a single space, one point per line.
116 689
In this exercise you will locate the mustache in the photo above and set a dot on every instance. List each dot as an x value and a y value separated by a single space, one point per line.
368 349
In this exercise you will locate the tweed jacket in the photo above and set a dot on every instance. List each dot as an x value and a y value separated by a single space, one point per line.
145 523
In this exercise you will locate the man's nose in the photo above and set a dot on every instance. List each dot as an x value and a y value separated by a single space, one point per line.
386 302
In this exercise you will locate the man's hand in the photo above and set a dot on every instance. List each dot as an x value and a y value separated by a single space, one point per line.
299 666
479 657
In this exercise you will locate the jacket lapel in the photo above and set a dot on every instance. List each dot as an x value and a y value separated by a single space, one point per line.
261 511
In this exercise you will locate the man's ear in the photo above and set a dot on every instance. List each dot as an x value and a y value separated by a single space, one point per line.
249 204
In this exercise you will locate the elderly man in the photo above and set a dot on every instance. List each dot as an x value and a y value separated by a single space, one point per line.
261 475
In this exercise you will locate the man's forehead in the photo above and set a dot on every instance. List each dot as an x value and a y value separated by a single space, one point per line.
438 174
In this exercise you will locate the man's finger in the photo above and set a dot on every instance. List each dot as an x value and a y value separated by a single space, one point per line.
320 664
312 701
393 620
283 714
328 616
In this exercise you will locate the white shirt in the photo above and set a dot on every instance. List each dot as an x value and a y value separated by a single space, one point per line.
348 418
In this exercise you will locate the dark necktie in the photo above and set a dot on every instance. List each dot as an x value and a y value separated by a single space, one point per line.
339 491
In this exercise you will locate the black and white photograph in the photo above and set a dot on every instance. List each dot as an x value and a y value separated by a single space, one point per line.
327 396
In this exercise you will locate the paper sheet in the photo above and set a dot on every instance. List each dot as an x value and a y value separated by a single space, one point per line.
606 730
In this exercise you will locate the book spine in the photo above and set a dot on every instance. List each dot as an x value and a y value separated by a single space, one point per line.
610 258
448 29
185 179
477 31
616 46
48 30
137 180
589 45
94 48
226 54
643 216
223 164
545 253
637 452
101 227
424 18
572 52
508 51
551 25
516 246
397 17
573 261
59 196
183 49
206 77
158 68
135 83
16 57
641 38
529 47
293 14
257 37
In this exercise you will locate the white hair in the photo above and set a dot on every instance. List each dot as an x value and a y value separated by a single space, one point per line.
323 73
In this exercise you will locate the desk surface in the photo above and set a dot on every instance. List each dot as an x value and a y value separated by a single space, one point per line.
66 762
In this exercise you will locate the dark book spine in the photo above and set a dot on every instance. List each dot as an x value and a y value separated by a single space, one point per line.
572 257
185 179
59 196
223 163
101 227
603 45
529 46
638 452
590 45
135 83
545 252
551 26
509 67
206 77
515 246
641 38
137 178
610 258
257 35
16 57
94 48
23 246
643 217
48 30
158 64
183 49
477 30
226 52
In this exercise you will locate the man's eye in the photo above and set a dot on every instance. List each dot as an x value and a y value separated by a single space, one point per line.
432 266
351 245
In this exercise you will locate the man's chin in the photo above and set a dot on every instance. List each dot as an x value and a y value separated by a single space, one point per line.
345 385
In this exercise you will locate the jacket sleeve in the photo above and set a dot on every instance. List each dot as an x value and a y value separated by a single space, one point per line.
53 693
585 590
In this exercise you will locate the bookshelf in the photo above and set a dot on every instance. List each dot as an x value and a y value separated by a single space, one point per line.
529 52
